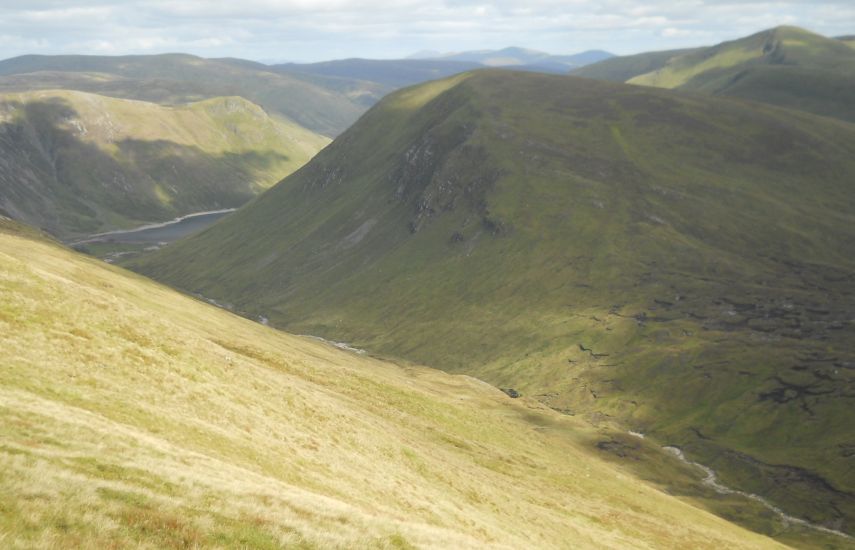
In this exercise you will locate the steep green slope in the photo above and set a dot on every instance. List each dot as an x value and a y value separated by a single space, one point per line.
680 263
76 163
784 66
181 78
131 416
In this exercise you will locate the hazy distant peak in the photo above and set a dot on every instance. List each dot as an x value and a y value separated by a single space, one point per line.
512 56
425 54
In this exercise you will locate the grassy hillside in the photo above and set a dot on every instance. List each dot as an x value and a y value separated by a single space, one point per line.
131 416
179 78
77 163
784 66
623 68
680 263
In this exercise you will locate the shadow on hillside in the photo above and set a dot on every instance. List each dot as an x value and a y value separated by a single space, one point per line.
53 177
153 90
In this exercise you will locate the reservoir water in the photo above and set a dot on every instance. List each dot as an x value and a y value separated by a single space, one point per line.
161 232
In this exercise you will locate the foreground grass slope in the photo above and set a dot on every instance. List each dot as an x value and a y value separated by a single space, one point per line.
77 163
680 263
131 416
180 78
784 66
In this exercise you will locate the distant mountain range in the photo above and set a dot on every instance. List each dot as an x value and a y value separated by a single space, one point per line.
390 74
521 58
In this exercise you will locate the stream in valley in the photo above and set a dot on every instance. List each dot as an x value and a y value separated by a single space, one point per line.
711 480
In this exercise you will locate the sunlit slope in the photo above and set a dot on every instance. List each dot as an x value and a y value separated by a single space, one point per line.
784 66
625 67
179 78
132 415
76 163
681 263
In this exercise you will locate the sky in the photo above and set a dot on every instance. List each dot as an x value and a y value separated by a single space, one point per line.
310 30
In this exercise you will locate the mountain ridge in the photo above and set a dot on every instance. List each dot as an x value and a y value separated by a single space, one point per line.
785 66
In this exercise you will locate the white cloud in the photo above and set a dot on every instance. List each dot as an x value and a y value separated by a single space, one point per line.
674 32
312 29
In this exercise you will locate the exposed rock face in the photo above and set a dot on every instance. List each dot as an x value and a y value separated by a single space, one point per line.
512 393
443 171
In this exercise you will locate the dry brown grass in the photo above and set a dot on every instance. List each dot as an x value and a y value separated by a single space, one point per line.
133 416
